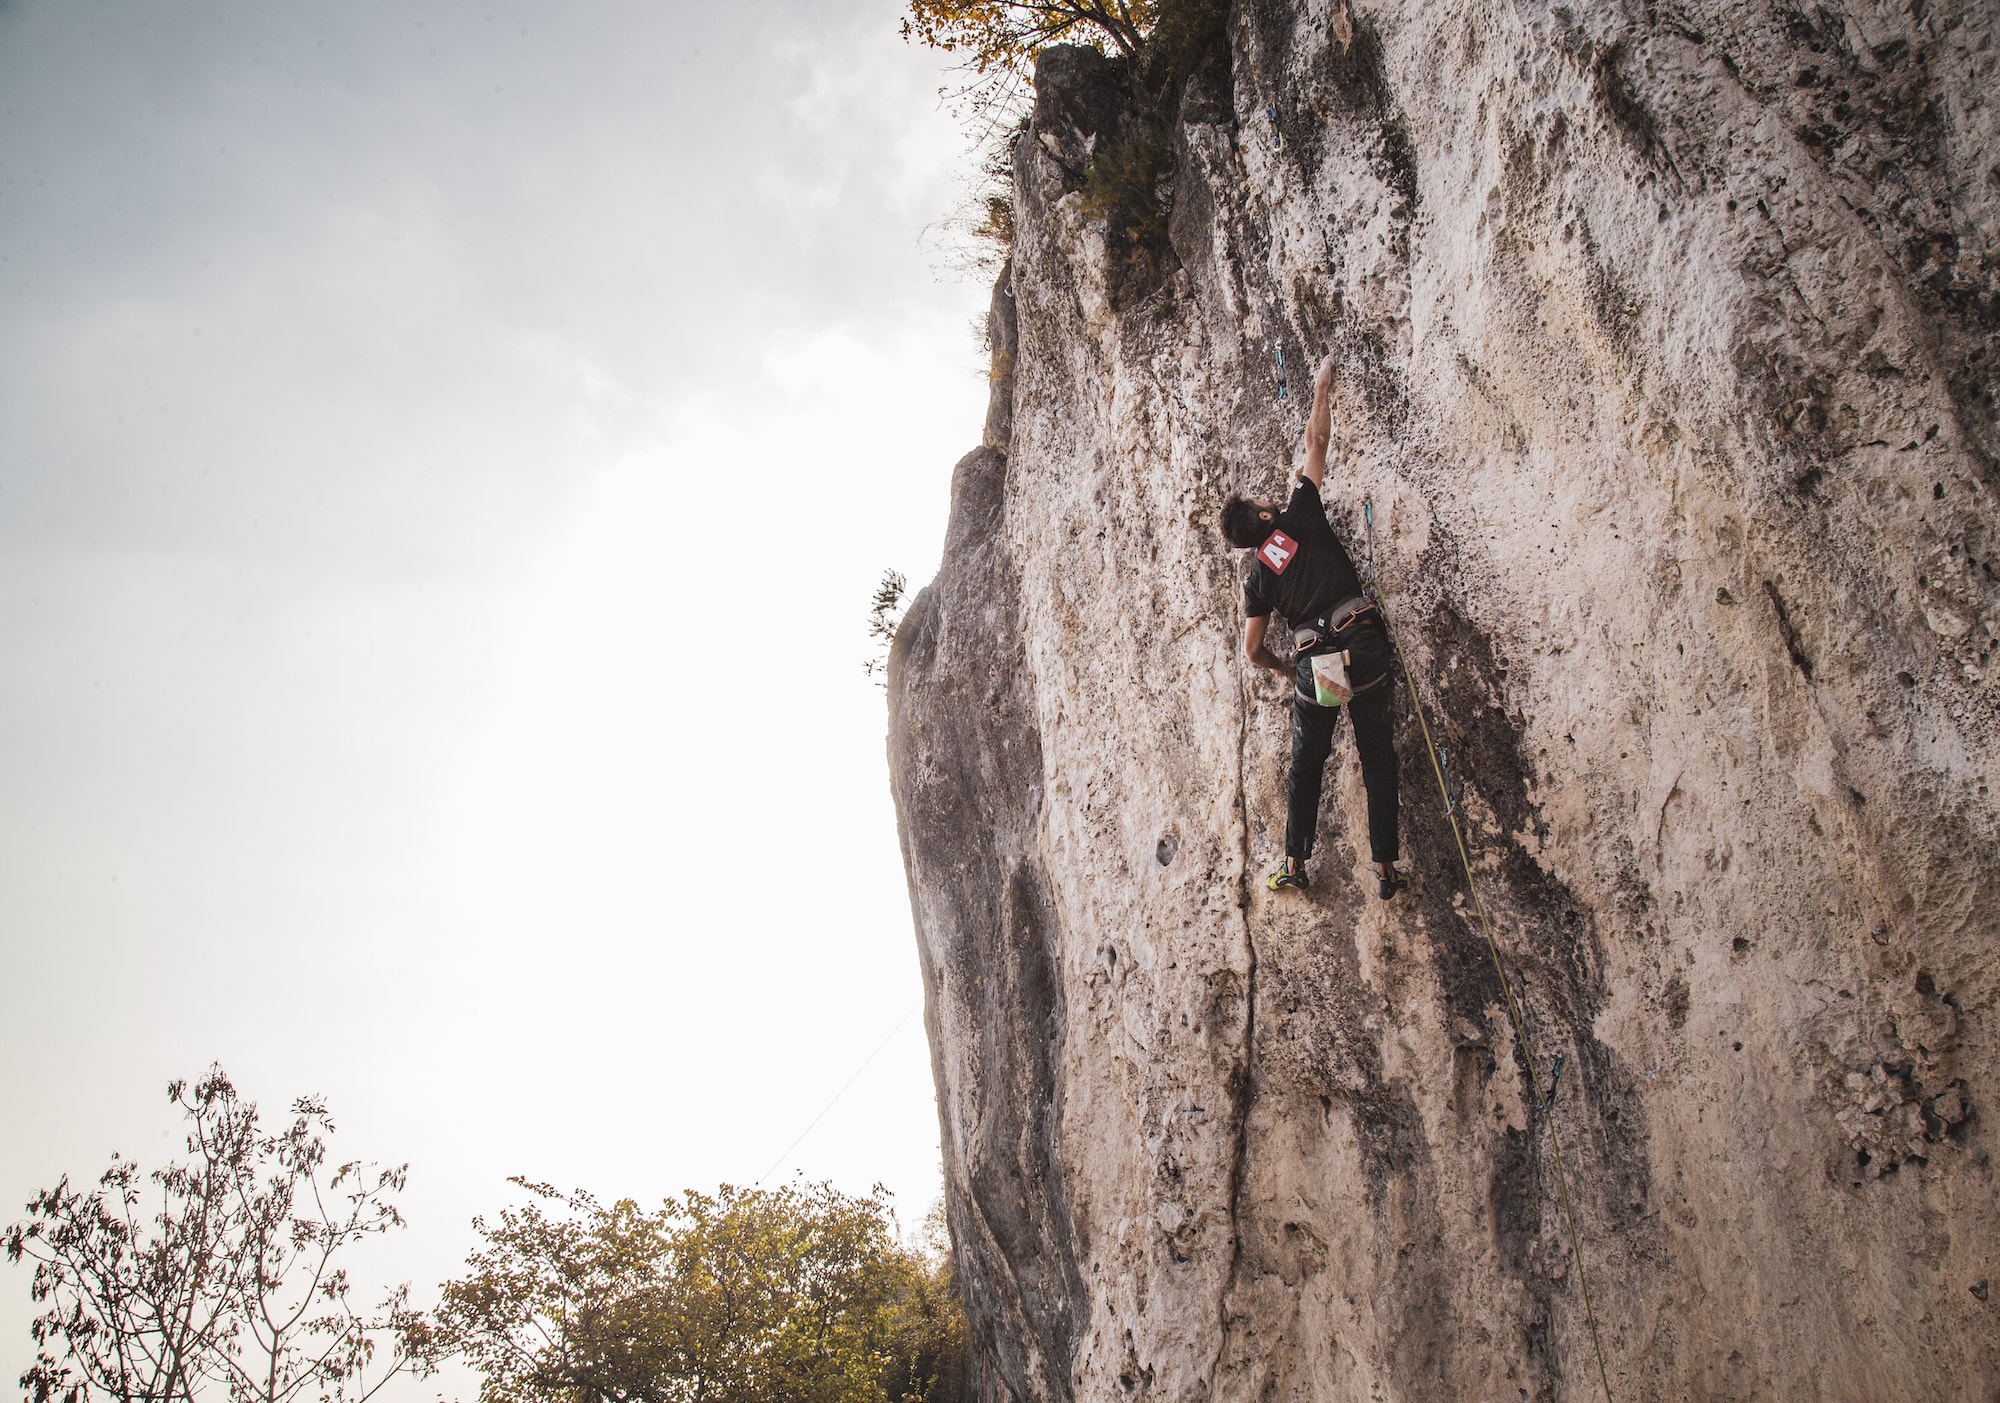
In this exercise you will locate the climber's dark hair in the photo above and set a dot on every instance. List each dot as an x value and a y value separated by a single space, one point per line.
1242 527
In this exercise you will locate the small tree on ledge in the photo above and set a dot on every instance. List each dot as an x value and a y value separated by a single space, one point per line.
1000 39
1164 40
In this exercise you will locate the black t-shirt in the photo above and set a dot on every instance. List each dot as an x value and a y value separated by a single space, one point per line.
1301 570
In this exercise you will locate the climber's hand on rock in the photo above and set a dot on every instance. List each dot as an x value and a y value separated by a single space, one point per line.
1323 377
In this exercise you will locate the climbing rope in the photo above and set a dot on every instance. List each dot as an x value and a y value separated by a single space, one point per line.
867 1062
1435 753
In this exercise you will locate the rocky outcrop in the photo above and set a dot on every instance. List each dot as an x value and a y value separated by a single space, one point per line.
1667 339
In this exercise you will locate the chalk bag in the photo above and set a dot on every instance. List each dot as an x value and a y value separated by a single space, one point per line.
1330 684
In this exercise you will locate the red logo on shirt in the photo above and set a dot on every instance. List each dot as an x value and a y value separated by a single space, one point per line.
1277 551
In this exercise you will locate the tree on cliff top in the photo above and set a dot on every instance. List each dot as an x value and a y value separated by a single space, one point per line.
1003 36
1163 39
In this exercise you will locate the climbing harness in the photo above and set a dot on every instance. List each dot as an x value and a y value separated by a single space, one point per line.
1317 645
1514 1015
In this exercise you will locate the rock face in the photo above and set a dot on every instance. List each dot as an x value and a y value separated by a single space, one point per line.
1667 341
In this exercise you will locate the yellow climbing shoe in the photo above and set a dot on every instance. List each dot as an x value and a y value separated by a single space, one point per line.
1288 875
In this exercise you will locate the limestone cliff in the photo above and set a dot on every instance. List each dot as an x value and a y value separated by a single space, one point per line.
1667 338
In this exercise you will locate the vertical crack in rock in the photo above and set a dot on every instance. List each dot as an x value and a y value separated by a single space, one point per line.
1243 1088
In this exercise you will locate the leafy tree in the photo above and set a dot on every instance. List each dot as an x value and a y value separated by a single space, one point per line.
743 1296
1000 38
930 1345
216 1275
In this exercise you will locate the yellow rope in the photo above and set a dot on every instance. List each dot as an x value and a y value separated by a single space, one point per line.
1507 987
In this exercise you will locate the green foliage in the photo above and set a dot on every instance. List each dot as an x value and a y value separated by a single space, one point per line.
984 224
742 1296
1122 188
996 222
1122 185
233 1283
1184 32
996 170
929 1344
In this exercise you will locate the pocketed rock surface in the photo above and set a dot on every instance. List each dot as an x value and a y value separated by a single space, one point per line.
1666 343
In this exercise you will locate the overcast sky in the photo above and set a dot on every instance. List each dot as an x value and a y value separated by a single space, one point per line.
446 452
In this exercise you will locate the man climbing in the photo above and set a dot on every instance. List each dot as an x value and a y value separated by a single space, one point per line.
1302 572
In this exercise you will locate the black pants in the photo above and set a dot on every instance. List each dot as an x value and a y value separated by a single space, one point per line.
1374 741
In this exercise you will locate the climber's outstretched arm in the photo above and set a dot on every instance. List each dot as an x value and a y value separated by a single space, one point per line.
1319 428
1253 645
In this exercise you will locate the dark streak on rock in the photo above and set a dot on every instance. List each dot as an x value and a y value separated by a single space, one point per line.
1789 631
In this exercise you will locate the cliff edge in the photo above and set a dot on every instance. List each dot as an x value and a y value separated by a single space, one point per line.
1667 341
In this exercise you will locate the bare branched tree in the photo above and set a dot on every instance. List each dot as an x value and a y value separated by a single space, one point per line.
217 1275
885 616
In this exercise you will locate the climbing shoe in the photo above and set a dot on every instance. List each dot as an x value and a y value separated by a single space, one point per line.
1287 876
1391 884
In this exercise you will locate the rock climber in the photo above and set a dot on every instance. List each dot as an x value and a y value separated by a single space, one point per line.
1302 572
